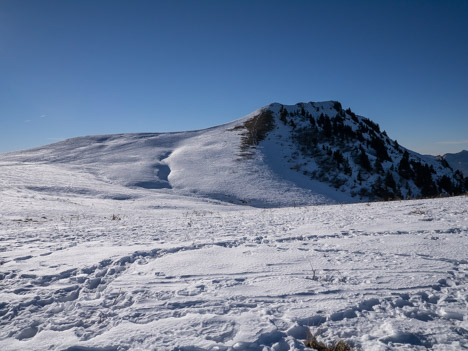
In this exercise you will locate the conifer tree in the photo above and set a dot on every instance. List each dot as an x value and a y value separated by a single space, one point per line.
404 169
390 181
283 115
378 166
364 160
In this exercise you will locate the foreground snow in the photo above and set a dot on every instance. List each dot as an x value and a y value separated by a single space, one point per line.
118 268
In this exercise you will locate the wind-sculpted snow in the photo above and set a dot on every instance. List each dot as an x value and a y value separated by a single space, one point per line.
83 270
204 163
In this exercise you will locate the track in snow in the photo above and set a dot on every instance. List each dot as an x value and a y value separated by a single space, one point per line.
381 276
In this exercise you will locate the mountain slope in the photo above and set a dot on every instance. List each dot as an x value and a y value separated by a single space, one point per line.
324 142
314 153
458 161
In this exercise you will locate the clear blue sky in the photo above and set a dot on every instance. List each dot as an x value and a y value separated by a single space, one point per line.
72 68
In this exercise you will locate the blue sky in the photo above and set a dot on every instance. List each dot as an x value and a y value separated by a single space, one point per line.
72 68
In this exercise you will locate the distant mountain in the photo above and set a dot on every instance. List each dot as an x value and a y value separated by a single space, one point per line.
279 155
458 161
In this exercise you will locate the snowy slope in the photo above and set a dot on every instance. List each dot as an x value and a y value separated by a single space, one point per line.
83 271
458 161
276 156
202 163
324 142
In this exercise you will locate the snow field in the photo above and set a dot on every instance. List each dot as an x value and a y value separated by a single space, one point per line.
205 276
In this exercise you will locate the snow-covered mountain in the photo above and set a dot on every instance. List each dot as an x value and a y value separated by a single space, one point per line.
130 242
308 153
327 143
458 161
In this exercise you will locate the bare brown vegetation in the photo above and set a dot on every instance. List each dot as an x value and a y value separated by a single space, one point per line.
255 130
313 343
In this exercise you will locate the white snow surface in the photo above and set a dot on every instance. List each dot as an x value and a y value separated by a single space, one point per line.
184 273
205 163
145 242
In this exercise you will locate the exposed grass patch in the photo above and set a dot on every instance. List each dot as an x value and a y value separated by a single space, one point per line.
418 211
313 343
255 130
